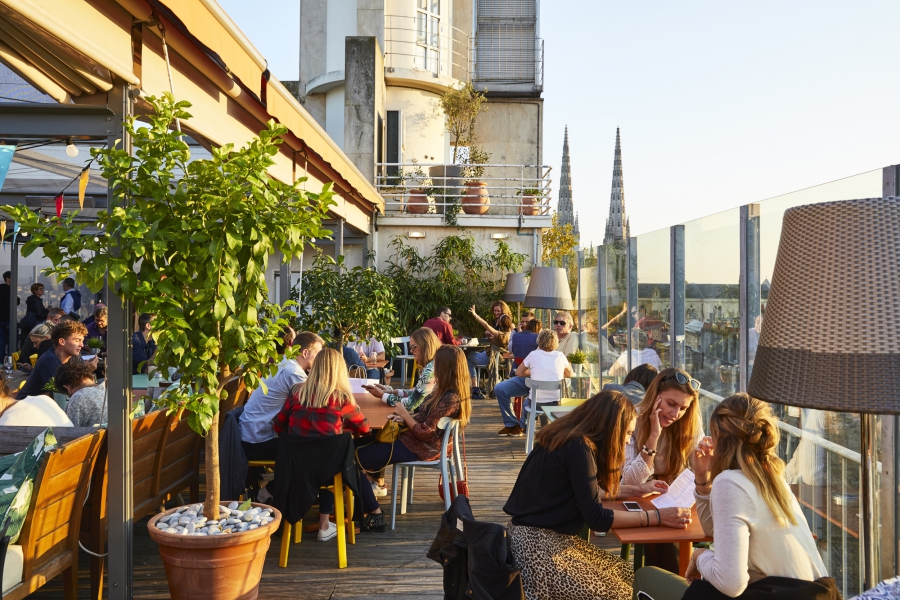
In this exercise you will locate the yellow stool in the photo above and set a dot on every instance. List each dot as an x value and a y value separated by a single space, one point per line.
412 377
33 358
15 357
339 503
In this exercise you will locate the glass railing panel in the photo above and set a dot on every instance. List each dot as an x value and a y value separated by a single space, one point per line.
612 297
651 339
587 303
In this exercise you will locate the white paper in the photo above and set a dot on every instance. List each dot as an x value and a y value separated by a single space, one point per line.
356 384
680 494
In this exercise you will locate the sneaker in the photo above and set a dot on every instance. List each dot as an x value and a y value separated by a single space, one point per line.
504 432
327 534
516 431
379 491
373 522
477 394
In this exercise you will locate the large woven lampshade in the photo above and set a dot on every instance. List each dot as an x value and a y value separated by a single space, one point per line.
516 287
549 288
830 334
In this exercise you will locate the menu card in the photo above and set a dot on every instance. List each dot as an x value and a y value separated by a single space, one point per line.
680 494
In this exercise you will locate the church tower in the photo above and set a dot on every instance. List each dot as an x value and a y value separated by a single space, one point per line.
617 222
564 207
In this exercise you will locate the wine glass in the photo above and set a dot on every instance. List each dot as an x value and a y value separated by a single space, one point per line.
8 365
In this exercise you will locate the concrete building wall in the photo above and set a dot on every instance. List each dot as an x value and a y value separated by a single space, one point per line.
363 102
512 131
334 114
422 125
370 19
313 36
341 22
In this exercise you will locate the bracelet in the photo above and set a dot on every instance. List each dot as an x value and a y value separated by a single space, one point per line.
642 518
707 482
648 451
658 518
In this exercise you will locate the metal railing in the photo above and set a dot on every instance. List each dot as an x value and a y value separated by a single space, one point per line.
425 44
429 188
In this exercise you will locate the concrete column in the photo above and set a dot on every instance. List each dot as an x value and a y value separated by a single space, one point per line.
313 41
370 19
13 297
363 101
676 295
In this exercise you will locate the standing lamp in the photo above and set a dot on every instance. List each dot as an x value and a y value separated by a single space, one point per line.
549 288
836 261
516 287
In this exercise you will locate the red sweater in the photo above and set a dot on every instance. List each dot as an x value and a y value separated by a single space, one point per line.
302 421
442 329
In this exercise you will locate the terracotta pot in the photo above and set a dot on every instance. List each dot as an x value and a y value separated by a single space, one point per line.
530 206
477 200
417 203
218 567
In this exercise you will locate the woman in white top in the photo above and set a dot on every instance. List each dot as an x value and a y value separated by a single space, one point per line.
545 363
759 530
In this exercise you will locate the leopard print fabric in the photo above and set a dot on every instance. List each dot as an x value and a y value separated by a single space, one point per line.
556 566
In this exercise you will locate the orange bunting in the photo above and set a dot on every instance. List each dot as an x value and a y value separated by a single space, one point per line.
82 185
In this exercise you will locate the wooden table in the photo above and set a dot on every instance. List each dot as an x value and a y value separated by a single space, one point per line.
15 379
555 412
662 535
376 364
374 409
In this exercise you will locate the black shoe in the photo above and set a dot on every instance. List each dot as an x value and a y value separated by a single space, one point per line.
373 522
477 394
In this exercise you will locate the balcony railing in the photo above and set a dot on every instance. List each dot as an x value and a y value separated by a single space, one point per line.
423 188
425 44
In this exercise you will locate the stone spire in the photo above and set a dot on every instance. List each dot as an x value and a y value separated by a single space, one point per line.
564 207
617 223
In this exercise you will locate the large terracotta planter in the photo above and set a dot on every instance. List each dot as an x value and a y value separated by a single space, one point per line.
530 206
476 200
219 567
417 203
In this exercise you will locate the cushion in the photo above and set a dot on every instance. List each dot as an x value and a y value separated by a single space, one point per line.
13 567
39 411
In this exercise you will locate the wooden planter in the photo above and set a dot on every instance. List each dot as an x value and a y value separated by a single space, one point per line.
218 567
476 200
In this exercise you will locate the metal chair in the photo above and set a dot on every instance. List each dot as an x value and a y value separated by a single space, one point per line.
403 358
534 386
450 468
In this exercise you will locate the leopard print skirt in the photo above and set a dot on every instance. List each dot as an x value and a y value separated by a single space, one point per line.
555 566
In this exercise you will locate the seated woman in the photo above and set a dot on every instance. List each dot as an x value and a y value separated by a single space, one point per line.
36 338
40 411
87 400
635 383
523 343
422 441
576 464
322 406
498 334
759 530
423 344
668 428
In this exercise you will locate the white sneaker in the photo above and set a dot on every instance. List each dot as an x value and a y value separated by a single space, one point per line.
380 492
328 534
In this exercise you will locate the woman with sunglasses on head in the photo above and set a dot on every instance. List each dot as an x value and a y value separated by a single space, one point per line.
576 464
423 344
668 428
760 530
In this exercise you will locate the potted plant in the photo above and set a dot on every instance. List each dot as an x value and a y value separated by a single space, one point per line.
417 204
96 344
461 107
199 234
577 360
532 199
476 200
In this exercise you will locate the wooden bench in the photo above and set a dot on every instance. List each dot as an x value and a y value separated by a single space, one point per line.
48 544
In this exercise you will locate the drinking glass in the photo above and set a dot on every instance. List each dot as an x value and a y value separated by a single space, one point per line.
8 365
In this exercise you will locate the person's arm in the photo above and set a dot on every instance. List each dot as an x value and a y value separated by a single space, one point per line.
423 388
654 486
568 372
139 353
701 461
445 407
282 419
353 418
726 567
636 470
523 370
487 327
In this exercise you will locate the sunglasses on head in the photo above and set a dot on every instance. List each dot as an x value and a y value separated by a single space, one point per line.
684 379
560 323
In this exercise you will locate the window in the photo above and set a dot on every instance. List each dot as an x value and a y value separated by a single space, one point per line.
428 26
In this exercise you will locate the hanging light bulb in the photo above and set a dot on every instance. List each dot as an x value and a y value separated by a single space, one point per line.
71 148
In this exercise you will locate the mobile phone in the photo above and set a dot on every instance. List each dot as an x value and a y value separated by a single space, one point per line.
632 506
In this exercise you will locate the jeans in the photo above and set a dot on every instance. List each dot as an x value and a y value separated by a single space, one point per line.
476 359
658 584
505 391
374 457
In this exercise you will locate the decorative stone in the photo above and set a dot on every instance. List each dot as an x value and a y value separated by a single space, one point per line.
233 506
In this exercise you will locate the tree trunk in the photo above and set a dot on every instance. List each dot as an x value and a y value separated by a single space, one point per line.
213 486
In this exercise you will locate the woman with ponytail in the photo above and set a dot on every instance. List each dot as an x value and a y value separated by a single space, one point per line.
759 529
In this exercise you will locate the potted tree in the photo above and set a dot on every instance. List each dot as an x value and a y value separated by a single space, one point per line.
199 234
577 360
461 107
476 200
532 199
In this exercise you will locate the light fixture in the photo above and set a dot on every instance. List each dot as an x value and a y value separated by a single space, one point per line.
71 148
499 236
516 287
415 235
549 288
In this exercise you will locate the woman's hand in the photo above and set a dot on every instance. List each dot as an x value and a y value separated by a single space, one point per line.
703 457
374 391
472 310
654 486
655 427
400 410
676 518
693 573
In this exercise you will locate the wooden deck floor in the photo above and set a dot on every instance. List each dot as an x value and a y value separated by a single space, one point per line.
381 565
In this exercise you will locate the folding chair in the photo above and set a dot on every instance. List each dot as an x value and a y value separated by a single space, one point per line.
403 358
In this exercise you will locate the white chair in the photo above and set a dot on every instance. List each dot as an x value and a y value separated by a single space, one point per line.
450 468
403 358
547 386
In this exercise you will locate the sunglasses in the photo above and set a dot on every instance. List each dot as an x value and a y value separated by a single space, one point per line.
684 379
560 323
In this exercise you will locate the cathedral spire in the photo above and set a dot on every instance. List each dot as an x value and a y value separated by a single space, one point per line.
617 223
564 207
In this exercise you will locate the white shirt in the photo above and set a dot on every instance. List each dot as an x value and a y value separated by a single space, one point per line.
40 411
261 409
647 356
568 344
68 302
373 345
546 366
749 541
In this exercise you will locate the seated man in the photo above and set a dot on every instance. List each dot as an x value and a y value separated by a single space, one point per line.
68 339
98 329
87 399
527 316
523 343
636 383
441 327
143 347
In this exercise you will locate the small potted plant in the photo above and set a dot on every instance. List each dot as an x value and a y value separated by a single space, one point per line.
96 344
577 360
532 200
476 200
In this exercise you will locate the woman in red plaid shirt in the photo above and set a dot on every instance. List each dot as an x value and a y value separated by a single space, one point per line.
322 406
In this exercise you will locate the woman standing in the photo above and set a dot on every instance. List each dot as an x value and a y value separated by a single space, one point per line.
423 344
759 530
422 441
576 464
35 311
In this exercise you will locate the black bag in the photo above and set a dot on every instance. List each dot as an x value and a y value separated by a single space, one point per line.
770 588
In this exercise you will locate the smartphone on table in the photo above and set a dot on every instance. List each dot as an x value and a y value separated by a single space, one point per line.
632 506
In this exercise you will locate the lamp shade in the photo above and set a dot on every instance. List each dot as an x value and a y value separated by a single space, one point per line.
829 337
549 288
516 287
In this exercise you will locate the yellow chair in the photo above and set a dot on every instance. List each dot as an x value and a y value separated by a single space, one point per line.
340 500
412 378
33 358
15 357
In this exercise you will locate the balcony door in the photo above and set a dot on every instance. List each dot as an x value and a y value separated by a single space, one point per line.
428 28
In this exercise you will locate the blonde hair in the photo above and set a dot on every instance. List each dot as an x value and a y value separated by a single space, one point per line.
547 340
451 374
746 437
427 342
679 436
327 377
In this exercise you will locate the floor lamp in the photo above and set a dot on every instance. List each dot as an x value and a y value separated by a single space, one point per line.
549 288
837 263
516 287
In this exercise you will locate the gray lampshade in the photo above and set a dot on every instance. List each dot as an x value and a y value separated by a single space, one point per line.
549 288
516 287
830 334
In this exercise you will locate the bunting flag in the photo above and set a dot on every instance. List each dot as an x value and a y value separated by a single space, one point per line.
59 206
15 232
3 234
82 185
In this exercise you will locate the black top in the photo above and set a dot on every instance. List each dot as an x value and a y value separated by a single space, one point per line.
35 304
45 369
4 302
558 490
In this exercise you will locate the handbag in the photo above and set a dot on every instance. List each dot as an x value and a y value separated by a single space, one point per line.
386 435
462 486
770 588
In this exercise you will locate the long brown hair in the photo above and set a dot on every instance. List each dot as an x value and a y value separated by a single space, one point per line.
451 374
427 341
679 436
327 377
746 437
602 422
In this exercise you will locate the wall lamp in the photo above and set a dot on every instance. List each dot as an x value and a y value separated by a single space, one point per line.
415 235
499 236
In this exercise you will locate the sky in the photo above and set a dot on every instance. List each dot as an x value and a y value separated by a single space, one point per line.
719 103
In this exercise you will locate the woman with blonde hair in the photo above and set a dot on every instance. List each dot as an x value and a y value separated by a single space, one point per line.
322 406
759 530
423 343
422 441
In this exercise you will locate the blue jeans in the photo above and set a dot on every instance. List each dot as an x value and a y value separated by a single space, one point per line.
476 359
505 391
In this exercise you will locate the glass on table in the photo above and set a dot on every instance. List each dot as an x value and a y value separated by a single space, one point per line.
8 365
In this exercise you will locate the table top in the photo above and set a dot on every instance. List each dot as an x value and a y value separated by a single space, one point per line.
142 381
377 364
16 379
657 535
374 409
555 412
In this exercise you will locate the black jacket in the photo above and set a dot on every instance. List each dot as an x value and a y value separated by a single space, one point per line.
232 460
304 464
476 557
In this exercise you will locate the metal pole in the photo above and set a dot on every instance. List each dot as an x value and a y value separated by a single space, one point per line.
602 306
579 299
284 280
749 293
118 388
13 297
632 290
676 295
869 535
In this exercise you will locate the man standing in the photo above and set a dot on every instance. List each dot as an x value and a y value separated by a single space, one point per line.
71 300
143 347
568 341
4 312
441 326
258 438
68 339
